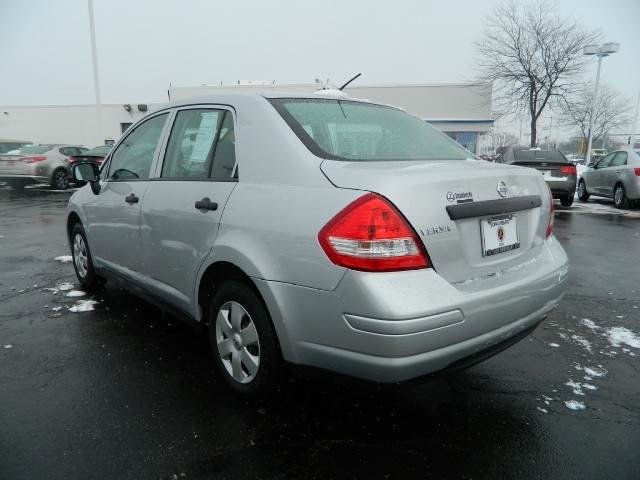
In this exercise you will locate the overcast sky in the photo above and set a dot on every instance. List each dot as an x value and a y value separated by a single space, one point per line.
144 45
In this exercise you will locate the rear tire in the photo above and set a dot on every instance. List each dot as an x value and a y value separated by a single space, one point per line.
60 179
583 195
243 342
82 260
620 199
566 201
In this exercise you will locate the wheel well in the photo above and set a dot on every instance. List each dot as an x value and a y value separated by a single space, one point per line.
213 277
72 220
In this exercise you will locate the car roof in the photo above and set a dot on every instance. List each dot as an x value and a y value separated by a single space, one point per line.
231 96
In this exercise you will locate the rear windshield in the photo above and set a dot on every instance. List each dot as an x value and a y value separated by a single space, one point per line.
6 147
32 149
102 150
347 130
539 156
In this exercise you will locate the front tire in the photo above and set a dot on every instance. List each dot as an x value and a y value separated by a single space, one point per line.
566 201
620 199
243 341
82 260
583 195
60 179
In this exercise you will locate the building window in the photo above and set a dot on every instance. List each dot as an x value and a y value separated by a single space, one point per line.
124 127
466 139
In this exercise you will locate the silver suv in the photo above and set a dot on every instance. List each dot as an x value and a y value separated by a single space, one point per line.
329 232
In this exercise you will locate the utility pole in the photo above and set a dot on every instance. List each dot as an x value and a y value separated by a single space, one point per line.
635 123
94 60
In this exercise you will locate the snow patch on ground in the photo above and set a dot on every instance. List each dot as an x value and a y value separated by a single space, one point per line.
619 335
56 309
595 371
583 342
63 258
543 410
574 405
75 293
8 346
83 306
554 345
577 388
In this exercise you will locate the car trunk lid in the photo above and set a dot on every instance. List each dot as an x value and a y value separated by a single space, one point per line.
422 191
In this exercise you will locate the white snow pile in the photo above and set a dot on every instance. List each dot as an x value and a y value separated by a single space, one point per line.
61 287
63 258
56 309
574 405
577 387
616 335
619 335
83 306
543 410
75 293
8 346
554 345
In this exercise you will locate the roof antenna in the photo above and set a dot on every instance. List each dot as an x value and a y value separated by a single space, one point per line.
348 82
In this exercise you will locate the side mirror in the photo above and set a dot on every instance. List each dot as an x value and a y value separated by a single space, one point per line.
87 172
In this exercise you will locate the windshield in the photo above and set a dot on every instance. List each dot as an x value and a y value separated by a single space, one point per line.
348 130
539 156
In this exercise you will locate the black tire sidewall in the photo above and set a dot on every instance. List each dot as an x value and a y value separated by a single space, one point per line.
90 281
567 201
584 197
267 379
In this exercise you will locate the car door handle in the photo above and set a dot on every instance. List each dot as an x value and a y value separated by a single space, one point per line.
206 204
131 198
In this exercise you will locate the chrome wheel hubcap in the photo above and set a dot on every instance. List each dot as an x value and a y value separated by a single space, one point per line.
80 256
237 341
581 189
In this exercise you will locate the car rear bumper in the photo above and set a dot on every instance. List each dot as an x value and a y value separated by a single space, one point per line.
11 178
561 188
398 326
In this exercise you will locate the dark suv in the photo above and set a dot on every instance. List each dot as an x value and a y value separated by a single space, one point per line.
559 173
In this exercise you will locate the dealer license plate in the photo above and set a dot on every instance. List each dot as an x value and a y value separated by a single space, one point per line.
499 235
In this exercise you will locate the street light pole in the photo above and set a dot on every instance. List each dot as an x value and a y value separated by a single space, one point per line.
635 123
601 52
94 60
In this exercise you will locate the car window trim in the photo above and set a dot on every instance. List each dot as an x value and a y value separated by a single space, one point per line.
130 131
161 158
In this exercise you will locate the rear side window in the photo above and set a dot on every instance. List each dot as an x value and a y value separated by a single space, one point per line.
201 145
347 130
33 149
619 160
133 158
550 156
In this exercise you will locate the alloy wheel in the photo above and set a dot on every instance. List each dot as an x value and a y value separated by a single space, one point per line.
237 342
80 256
61 179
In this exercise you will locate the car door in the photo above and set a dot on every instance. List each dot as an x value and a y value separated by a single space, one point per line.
183 205
613 172
113 216
596 177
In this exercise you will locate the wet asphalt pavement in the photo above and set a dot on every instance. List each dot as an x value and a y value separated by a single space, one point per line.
127 392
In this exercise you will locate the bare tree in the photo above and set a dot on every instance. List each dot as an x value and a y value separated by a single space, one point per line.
532 55
612 110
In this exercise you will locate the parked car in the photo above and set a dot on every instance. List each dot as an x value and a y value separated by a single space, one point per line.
328 232
38 164
95 155
616 175
559 173
8 145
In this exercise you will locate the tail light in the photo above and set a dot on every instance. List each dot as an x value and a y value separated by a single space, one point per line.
551 215
370 234
637 171
33 159
569 170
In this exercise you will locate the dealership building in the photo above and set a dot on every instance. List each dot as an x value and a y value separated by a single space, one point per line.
462 111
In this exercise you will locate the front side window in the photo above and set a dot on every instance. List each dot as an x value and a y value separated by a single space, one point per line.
605 161
133 158
347 130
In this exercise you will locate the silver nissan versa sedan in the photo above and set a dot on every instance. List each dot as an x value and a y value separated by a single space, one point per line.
321 231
